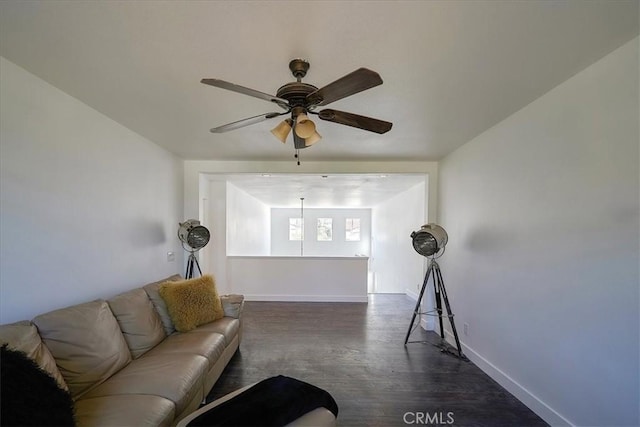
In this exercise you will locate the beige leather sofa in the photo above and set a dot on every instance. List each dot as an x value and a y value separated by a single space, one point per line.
122 360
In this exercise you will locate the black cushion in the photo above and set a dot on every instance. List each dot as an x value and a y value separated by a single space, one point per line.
30 396
276 401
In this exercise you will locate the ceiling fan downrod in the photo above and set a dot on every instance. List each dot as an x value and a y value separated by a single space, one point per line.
299 68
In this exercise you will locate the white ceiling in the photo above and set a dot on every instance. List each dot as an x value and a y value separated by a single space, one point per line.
451 69
322 191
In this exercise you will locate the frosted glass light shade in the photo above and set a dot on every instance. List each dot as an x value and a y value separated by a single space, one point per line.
312 139
282 130
304 127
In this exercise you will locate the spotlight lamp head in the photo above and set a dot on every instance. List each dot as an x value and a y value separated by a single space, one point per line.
193 235
430 240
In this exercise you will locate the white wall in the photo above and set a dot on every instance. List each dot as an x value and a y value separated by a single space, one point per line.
213 258
396 267
281 245
205 218
88 208
542 261
311 279
194 170
248 224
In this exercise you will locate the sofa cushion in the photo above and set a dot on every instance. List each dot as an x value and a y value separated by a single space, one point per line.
139 321
23 336
192 302
227 327
152 291
86 342
125 410
177 377
209 345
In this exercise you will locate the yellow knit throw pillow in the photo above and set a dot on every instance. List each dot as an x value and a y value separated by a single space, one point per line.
192 302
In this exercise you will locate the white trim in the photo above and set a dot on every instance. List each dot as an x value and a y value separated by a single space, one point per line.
426 322
306 298
543 410
411 294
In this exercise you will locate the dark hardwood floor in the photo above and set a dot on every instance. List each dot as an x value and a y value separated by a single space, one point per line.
355 351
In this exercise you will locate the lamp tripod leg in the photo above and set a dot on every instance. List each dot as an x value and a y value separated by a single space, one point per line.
443 292
192 262
419 302
197 265
187 274
438 297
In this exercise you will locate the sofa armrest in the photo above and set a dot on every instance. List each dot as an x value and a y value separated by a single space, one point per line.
232 305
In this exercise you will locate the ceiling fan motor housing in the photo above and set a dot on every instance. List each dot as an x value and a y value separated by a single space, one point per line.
296 93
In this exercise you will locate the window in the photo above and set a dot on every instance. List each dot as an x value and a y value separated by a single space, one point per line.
325 229
296 228
352 230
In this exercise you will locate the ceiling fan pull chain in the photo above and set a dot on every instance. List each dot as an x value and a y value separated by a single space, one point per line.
297 156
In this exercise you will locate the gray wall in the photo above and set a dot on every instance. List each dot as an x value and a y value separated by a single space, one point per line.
542 264
89 208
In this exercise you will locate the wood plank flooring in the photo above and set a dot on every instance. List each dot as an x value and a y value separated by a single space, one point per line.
356 352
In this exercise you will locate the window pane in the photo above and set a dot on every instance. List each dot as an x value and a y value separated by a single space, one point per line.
296 228
352 230
325 229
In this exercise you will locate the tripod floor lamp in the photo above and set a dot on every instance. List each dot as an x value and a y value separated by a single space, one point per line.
430 242
193 237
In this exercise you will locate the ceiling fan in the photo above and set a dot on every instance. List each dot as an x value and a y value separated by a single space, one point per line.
300 99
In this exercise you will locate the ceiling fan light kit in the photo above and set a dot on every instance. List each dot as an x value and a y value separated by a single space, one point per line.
300 99
308 142
304 127
282 130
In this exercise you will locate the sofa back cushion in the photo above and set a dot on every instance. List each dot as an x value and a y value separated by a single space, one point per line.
86 342
152 289
23 336
139 321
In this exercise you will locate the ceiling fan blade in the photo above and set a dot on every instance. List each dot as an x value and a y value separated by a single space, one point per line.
246 122
357 81
356 121
246 91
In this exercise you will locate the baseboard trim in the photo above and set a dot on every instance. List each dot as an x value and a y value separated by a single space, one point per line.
427 322
411 294
306 298
543 410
